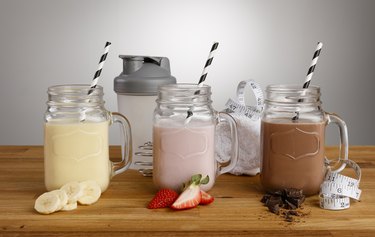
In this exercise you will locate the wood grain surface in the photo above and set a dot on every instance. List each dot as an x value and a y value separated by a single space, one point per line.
121 211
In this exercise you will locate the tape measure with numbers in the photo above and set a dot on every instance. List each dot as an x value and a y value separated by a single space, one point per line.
239 106
337 189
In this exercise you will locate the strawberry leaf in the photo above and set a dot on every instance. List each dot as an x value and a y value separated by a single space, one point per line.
196 179
205 180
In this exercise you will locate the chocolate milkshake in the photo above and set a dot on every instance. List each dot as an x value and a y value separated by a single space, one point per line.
293 154
292 139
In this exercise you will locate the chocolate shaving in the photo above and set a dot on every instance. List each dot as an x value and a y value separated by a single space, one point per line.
293 193
274 203
274 209
294 213
296 201
289 205
288 217
284 202
265 198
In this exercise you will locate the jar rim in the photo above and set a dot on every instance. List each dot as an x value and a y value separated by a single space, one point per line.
74 88
184 86
292 95
291 88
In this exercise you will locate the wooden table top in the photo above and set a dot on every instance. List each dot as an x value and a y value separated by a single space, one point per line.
237 210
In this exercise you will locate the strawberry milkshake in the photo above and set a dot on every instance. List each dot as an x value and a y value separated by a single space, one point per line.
181 152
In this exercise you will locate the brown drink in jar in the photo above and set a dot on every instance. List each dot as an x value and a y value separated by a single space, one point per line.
293 155
292 139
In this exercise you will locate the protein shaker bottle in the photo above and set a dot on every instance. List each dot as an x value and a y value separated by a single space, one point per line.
136 89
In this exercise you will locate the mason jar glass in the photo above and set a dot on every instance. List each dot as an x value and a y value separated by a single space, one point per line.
293 139
184 136
76 137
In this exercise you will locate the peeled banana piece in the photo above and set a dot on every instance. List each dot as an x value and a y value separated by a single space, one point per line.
73 191
62 196
47 203
91 192
69 206
85 193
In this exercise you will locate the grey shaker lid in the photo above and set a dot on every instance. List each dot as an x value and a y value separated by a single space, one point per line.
142 75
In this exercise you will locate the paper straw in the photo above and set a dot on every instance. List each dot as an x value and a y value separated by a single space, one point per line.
208 63
204 75
314 61
96 77
100 67
310 72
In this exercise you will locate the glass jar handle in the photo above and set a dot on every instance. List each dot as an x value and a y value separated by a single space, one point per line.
344 144
234 140
126 146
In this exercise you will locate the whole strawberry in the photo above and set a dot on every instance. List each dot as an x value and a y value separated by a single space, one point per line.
163 198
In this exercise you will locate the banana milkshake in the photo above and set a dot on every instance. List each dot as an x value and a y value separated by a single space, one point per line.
76 152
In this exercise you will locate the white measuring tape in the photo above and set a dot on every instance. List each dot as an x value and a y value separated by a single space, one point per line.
337 189
239 106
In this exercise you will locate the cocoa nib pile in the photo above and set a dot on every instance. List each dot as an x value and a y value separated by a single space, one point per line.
286 202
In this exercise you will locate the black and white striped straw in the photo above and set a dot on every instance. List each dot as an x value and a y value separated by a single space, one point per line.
314 61
208 63
100 67
203 76
310 72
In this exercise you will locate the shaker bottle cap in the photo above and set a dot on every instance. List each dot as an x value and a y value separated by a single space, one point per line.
142 75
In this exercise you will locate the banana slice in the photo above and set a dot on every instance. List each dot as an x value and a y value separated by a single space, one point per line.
47 203
69 206
62 196
73 190
91 192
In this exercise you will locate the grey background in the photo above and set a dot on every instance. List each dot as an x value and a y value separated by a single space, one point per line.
47 42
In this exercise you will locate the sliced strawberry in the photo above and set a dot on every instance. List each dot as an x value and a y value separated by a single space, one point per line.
163 198
191 195
189 198
206 198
